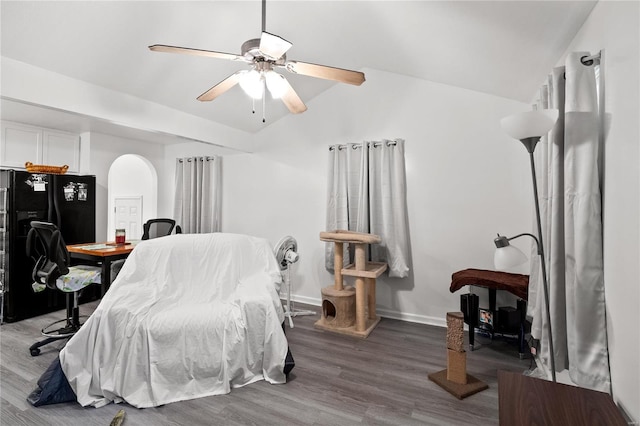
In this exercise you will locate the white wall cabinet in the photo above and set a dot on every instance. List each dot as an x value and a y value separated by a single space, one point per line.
21 143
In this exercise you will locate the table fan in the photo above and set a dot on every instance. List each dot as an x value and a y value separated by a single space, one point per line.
286 252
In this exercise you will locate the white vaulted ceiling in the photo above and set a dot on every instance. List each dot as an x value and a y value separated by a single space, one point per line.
504 48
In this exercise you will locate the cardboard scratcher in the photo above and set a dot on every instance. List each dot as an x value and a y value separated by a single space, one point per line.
455 379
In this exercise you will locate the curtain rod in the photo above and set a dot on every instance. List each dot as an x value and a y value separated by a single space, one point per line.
359 145
588 60
180 160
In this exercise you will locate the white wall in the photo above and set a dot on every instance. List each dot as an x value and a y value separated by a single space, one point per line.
131 176
614 27
104 151
466 181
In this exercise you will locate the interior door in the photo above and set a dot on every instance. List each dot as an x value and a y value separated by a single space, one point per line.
128 215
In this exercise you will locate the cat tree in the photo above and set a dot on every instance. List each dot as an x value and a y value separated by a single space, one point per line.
346 309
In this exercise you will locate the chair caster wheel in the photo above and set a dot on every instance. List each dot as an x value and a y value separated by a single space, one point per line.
35 352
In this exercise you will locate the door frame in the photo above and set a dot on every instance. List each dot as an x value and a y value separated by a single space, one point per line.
129 174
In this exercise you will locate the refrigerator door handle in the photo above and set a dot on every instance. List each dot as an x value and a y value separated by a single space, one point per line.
50 198
56 207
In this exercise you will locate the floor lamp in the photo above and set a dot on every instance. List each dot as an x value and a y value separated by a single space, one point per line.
528 128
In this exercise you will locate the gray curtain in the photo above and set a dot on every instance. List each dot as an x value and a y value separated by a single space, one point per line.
367 193
198 194
568 162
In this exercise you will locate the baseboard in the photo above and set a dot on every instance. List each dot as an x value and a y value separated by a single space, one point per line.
385 313
420 319
315 301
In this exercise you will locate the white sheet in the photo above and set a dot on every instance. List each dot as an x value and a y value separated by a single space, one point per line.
189 315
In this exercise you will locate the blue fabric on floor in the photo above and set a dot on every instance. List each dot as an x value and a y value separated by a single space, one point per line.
53 387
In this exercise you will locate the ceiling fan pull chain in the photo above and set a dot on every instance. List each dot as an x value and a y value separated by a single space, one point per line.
264 95
253 106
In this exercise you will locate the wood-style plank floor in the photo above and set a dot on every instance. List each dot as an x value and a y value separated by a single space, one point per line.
338 380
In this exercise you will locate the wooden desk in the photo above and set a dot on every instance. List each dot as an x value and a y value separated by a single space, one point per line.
104 253
524 400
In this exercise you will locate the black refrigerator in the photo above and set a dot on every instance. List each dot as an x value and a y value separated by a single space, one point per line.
68 201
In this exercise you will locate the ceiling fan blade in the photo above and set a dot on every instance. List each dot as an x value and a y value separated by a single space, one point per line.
326 72
221 87
273 46
196 52
292 100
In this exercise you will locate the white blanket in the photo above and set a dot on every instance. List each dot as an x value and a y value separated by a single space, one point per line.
188 316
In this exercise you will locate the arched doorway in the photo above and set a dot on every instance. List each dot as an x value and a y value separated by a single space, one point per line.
132 187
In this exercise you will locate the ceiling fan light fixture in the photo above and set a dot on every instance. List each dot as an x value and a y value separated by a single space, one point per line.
263 55
276 83
252 84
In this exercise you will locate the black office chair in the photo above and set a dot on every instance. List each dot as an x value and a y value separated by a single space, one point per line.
52 269
154 228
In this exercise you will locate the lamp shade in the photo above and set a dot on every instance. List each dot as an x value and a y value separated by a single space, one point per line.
529 124
508 257
252 84
276 84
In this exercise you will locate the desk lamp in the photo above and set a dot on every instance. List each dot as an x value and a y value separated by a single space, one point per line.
528 128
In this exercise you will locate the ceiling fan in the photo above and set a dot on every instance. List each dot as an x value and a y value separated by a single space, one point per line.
264 55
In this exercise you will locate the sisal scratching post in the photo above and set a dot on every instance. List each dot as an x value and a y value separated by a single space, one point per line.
455 379
457 367
456 356
455 331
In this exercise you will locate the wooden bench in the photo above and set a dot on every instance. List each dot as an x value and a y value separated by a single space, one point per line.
516 284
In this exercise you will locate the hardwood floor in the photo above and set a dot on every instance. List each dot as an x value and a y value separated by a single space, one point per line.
337 380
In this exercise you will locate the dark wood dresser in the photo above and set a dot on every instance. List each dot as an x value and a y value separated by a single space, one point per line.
525 400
